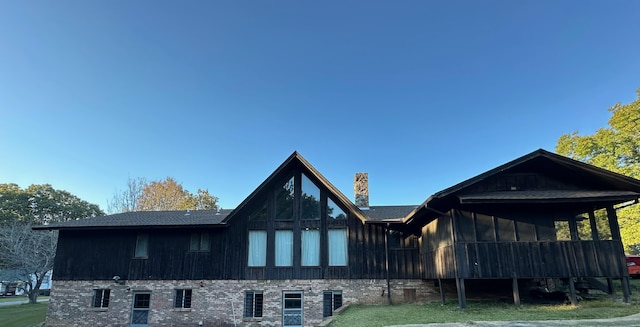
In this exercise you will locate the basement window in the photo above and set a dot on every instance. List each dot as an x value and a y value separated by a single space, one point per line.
182 299
331 301
101 298
253 304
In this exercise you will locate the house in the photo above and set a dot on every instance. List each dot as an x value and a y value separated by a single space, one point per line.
296 248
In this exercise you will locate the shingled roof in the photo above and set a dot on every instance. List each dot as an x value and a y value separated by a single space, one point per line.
136 219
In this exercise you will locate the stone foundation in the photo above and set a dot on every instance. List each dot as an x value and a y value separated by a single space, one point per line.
218 302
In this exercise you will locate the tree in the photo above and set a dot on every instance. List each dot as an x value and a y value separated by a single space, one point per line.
127 200
616 148
42 204
170 195
28 254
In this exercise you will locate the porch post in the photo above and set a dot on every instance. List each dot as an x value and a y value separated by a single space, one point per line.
594 226
462 296
626 290
442 296
572 292
516 292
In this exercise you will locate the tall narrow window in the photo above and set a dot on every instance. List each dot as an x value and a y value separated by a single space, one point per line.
285 195
101 298
310 200
253 304
310 248
199 242
284 248
331 300
257 248
337 247
334 212
142 246
182 298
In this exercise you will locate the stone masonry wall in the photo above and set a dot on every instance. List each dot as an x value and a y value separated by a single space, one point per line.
218 302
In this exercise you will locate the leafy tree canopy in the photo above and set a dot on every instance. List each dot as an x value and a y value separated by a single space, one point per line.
166 194
616 148
42 204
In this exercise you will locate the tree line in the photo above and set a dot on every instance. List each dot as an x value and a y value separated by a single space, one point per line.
27 255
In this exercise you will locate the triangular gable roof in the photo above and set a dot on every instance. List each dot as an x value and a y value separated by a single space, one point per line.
296 160
614 180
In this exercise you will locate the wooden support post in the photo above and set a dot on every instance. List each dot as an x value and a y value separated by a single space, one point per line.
572 292
442 296
594 227
626 291
516 292
613 223
462 296
610 288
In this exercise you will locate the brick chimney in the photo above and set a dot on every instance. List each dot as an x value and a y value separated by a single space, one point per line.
361 190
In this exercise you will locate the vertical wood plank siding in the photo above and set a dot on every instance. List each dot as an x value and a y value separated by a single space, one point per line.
538 259
84 255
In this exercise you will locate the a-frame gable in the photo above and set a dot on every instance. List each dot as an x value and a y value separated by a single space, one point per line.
570 179
293 162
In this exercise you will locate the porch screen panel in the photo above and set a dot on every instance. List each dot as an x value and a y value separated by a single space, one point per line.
337 247
310 248
485 229
257 248
506 229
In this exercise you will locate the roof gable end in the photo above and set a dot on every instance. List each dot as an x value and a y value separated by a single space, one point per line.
296 160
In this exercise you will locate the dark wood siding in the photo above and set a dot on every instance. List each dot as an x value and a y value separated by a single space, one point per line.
539 259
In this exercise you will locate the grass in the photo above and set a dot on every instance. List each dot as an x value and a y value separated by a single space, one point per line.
19 298
23 315
435 312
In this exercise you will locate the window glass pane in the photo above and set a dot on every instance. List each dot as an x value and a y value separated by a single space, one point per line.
310 248
284 248
195 242
141 300
337 247
248 304
260 214
204 242
310 201
257 248
142 246
333 211
187 299
257 311
284 201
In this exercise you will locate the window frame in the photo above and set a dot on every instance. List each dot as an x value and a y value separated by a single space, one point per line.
182 298
101 298
200 237
346 247
142 239
258 247
253 304
328 311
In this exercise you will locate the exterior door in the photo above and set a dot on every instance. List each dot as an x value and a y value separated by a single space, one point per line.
140 310
292 309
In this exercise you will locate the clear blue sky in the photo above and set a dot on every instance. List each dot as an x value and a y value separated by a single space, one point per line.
419 94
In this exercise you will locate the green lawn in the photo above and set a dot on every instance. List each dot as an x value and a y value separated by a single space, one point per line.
434 312
23 315
19 298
